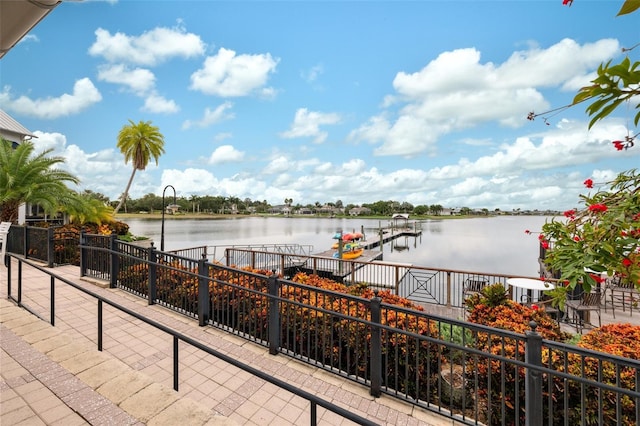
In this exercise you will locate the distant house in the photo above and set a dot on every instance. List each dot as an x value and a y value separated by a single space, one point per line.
451 212
172 209
278 209
357 211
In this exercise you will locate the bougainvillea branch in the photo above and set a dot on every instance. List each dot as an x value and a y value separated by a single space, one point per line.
614 86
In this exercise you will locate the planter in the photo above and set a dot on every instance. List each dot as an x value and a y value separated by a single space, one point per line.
455 389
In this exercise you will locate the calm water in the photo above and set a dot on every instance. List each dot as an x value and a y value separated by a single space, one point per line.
495 244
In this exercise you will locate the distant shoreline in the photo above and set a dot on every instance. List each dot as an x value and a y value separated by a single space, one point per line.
206 216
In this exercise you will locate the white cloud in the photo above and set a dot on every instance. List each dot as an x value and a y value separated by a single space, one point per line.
29 38
150 48
307 124
278 165
210 117
312 74
189 182
84 95
138 80
457 91
229 75
226 154
158 104
104 171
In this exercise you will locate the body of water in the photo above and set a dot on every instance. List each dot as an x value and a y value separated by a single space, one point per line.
494 244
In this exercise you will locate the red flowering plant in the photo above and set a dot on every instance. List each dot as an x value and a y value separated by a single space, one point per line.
604 236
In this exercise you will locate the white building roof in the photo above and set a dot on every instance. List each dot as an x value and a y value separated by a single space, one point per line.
11 130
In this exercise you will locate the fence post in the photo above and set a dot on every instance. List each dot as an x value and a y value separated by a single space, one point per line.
115 262
274 314
153 274
25 249
50 247
376 347
204 311
449 290
83 254
533 379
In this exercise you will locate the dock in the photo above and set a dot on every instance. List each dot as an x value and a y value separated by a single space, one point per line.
348 272
388 235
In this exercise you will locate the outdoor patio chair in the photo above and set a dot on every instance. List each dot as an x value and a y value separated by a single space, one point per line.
580 309
622 292
474 285
545 303
4 232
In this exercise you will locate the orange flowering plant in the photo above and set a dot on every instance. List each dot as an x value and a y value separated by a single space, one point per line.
604 236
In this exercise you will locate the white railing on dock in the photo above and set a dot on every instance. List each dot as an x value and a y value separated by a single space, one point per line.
417 283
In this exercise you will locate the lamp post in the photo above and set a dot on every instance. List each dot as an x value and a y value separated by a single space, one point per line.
174 202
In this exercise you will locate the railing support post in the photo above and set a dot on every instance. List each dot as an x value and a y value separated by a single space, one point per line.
52 302
274 315
7 263
376 347
449 290
533 379
115 262
204 311
153 275
25 238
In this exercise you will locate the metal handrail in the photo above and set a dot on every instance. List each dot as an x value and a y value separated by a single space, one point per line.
177 336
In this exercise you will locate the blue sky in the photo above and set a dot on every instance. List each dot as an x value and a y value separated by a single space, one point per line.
360 101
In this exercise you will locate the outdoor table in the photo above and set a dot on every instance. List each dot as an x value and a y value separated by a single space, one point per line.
530 285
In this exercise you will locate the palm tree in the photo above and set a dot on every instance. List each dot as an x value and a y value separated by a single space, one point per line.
28 178
139 143
83 208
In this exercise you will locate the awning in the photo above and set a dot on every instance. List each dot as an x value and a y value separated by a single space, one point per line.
18 17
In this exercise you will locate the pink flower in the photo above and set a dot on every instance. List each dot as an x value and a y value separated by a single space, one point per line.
576 238
535 307
626 262
526 231
545 244
597 208
588 183
571 214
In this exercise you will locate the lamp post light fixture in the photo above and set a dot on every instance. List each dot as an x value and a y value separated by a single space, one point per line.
174 202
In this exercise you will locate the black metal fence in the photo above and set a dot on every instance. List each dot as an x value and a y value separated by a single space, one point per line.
176 336
471 373
52 246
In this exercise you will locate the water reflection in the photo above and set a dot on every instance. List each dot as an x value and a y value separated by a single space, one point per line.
496 244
